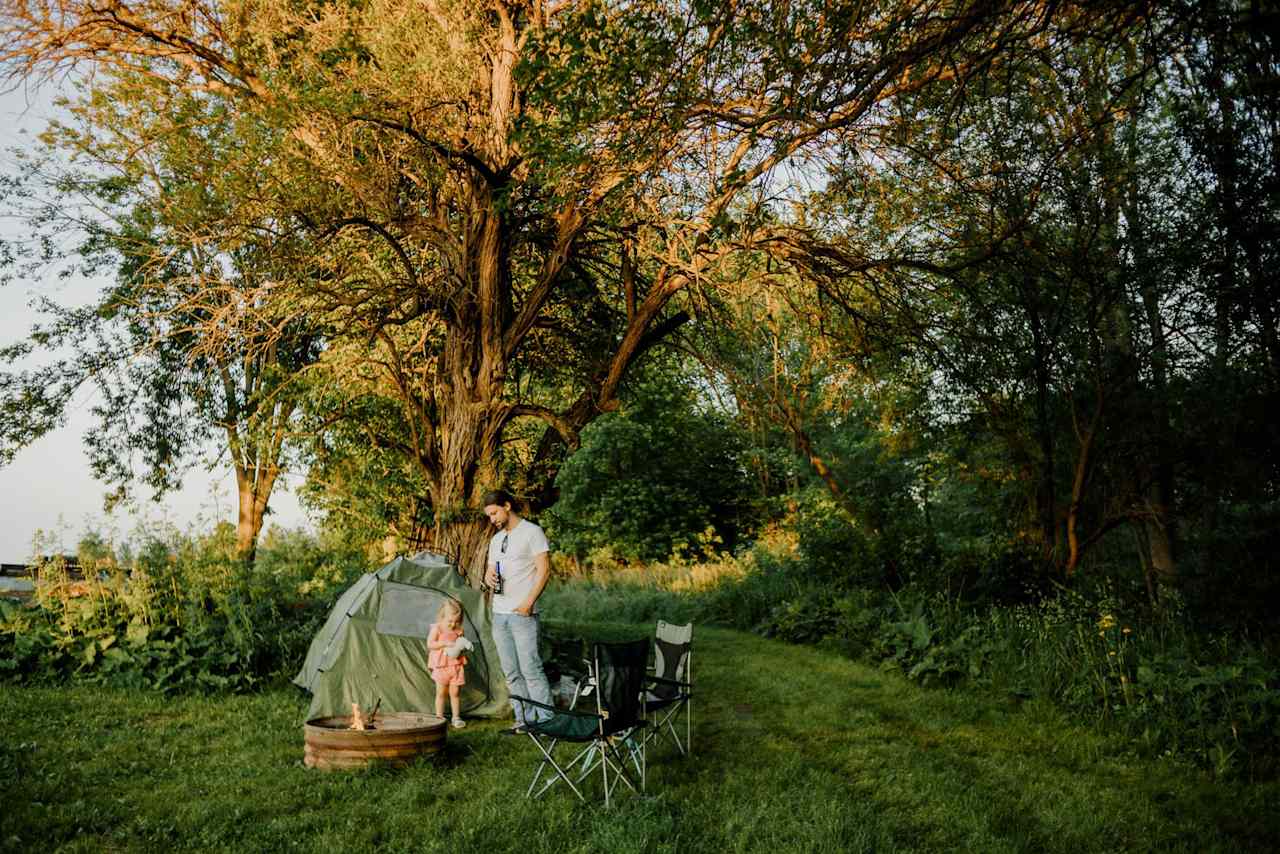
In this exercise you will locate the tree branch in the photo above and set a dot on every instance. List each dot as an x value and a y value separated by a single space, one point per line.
496 179
558 422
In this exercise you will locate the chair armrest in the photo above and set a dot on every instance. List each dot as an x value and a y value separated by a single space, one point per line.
658 680
555 709
585 682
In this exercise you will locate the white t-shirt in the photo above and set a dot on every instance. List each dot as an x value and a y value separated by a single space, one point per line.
514 551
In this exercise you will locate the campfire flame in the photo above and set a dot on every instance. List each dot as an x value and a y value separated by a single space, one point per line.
359 721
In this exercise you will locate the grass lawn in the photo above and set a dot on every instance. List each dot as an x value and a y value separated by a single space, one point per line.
795 750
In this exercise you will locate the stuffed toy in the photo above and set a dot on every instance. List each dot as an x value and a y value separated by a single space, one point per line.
458 647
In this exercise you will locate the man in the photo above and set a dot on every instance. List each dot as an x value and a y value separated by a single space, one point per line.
520 561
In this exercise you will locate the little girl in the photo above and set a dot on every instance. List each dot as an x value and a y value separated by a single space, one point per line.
445 671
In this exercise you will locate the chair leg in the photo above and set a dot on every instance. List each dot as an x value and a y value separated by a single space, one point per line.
604 766
671 720
667 726
590 758
612 763
547 753
547 759
633 748
537 774
675 737
612 757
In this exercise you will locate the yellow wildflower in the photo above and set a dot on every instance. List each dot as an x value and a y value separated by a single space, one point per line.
1106 622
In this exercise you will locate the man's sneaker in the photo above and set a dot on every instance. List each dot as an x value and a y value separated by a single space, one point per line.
459 723
518 729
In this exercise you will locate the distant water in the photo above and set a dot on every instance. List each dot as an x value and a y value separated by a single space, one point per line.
19 584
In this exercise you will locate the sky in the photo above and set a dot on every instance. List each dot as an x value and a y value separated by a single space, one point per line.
48 487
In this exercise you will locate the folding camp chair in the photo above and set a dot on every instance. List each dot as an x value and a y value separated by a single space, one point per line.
611 736
669 690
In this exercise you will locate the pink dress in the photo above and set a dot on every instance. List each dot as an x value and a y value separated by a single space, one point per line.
446 670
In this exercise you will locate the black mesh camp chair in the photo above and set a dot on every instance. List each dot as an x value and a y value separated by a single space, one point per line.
669 690
611 736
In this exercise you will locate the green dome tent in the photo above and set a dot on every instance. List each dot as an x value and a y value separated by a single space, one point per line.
374 644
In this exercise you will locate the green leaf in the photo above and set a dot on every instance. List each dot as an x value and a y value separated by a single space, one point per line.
137 633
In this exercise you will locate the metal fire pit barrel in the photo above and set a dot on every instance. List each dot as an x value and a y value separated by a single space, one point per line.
397 738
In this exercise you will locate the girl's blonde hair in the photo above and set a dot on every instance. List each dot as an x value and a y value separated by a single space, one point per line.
450 610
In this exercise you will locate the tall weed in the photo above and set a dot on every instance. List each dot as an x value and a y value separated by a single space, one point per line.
172 615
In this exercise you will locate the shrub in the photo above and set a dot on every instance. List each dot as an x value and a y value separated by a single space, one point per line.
653 480
809 616
1096 652
179 615
1145 674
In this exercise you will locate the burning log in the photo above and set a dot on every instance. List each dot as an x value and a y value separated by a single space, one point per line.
359 721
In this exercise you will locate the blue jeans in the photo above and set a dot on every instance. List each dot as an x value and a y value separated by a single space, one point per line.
517 640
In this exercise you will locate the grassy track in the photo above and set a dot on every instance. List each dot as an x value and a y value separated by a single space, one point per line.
795 751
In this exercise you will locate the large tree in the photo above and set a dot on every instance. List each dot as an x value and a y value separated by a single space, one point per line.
483 183
177 382
1081 276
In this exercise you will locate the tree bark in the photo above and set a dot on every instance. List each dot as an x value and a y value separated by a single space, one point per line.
255 444
253 495
256 477
1084 461
1046 489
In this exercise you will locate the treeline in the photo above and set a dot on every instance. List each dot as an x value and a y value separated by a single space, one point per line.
1043 352
974 299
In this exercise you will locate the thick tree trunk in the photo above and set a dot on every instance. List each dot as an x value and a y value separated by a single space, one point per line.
469 432
248 525
465 542
257 467
459 449
469 435
254 490
1164 568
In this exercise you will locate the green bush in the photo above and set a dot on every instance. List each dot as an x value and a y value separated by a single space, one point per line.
808 617
650 481
174 616
123 650
835 553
